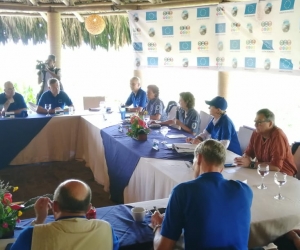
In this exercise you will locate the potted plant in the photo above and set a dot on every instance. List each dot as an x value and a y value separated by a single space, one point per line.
138 129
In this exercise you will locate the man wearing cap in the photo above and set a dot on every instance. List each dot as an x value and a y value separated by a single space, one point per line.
10 101
50 71
220 128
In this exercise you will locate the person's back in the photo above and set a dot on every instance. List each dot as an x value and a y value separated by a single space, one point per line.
214 212
73 233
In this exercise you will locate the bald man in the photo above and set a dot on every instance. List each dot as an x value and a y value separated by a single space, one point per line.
138 97
10 101
71 229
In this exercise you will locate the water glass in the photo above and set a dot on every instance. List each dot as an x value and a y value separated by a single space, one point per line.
262 170
48 107
280 180
164 130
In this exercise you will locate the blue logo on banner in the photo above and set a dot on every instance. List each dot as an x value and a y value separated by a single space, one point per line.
138 46
250 9
285 64
185 46
152 61
151 16
167 30
220 27
287 5
250 62
267 45
203 61
235 44
202 12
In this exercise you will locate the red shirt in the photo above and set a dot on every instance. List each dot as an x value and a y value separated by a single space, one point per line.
275 150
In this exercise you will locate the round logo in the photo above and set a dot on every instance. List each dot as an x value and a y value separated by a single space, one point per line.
249 27
220 46
234 63
185 62
268 8
151 32
267 65
185 15
202 30
286 26
137 62
234 11
136 17
168 47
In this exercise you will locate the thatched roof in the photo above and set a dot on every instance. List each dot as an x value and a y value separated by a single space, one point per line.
25 20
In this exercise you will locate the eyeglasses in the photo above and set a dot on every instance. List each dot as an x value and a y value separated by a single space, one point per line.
260 122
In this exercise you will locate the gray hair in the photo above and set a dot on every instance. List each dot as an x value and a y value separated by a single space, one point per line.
268 114
212 151
6 83
136 78
52 81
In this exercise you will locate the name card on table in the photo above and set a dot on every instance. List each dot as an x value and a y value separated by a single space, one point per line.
10 114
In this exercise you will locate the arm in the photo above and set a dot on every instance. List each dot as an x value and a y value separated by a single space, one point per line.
158 112
41 110
57 76
40 77
162 243
24 241
184 127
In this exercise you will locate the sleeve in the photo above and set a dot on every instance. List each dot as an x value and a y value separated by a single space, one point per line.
226 130
24 240
22 103
115 240
129 101
2 99
68 100
173 222
195 123
59 73
278 151
250 149
209 127
143 100
159 108
42 100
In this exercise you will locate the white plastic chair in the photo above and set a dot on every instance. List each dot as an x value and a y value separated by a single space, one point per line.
244 136
205 119
172 113
92 101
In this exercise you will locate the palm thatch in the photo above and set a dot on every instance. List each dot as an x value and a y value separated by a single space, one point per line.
116 33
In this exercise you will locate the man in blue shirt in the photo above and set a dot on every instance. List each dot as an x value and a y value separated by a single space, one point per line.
71 229
10 101
57 98
210 211
137 98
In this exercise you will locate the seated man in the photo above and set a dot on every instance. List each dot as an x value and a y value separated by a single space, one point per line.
11 101
71 229
212 212
138 96
57 98
269 145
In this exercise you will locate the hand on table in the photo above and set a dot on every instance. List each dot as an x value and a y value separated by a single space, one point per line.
242 161
41 208
192 140
157 219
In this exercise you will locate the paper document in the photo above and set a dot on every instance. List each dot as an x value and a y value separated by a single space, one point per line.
176 136
184 147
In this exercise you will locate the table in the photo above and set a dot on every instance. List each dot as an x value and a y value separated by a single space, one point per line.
123 153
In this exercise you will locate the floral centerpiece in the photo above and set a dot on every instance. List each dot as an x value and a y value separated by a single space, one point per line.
138 128
9 211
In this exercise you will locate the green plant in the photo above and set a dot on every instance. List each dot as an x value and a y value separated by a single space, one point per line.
137 127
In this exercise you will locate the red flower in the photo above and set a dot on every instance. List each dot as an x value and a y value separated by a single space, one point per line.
7 199
18 220
16 207
141 123
5 225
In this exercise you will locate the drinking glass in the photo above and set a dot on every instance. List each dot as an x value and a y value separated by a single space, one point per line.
48 107
262 170
280 180
164 130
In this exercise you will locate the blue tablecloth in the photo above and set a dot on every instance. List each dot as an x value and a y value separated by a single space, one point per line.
16 133
122 154
131 234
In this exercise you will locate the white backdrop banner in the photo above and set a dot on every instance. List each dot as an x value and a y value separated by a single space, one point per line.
257 36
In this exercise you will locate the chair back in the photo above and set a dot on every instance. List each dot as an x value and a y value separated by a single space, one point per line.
172 113
92 101
244 136
205 119
297 161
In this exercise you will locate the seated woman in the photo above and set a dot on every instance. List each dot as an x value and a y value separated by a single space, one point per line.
155 107
220 128
187 117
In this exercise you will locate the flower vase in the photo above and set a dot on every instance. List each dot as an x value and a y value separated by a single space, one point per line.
7 234
141 137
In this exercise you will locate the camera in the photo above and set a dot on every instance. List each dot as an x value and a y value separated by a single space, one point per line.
40 65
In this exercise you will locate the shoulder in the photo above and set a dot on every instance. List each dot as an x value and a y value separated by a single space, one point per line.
241 186
18 96
2 96
63 93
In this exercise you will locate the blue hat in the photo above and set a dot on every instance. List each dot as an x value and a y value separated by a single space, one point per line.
218 102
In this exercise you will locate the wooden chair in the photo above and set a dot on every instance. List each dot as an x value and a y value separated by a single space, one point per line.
92 101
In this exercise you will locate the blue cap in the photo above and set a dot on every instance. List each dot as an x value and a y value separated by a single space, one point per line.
218 102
